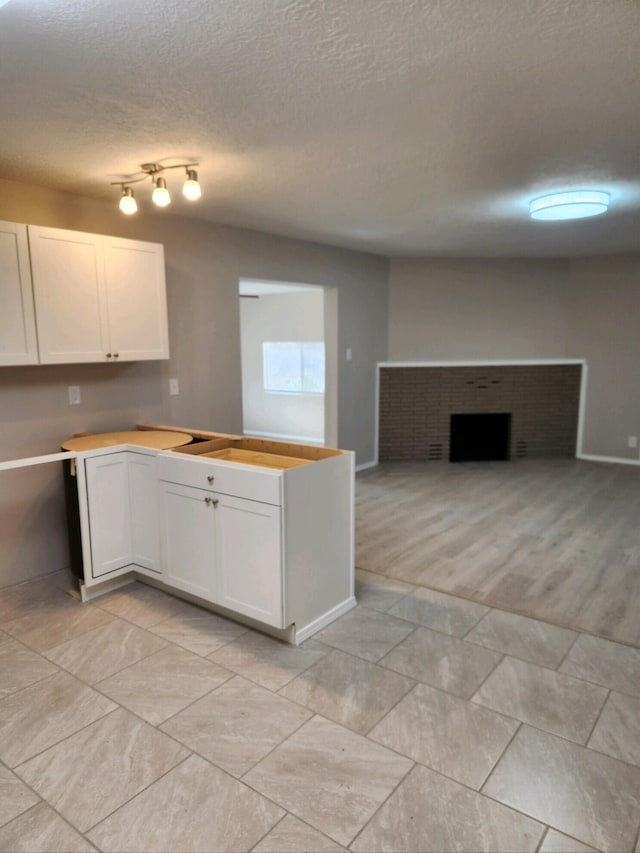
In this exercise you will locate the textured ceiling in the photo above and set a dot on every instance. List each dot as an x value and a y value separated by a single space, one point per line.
404 127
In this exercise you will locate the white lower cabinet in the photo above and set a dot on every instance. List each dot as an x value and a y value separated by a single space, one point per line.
122 501
109 512
143 499
249 559
224 549
188 539
273 545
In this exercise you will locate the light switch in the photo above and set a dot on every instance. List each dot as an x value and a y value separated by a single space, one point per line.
174 387
348 354
74 395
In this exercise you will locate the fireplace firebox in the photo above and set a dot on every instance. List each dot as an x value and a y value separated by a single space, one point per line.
480 437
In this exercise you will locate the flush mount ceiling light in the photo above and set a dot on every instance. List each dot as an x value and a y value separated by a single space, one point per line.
161 197
575 204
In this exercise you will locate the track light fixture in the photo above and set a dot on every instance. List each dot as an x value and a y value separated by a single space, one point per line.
160 194
191 187
161 197
128 204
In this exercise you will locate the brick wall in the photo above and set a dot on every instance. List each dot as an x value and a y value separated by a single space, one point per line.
416 404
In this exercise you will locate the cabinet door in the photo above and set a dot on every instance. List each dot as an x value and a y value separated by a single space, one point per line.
17 322
136 297
109 512
188 539
143 497
69 293
249 559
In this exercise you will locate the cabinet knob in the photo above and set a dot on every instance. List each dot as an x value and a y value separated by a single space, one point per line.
108 355
212 501
116 354
210 478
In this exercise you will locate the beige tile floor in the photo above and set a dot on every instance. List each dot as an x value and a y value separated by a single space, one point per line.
416 722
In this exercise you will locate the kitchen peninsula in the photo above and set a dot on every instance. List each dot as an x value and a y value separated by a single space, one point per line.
261 531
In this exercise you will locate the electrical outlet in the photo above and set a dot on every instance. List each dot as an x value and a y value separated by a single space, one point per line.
74 395
632 441
174 387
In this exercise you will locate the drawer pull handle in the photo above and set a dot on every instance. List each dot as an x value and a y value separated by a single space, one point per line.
211 478
212 501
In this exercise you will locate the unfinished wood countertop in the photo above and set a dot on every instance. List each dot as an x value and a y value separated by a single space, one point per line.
155 439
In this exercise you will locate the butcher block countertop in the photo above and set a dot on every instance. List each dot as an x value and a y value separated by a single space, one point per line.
155 439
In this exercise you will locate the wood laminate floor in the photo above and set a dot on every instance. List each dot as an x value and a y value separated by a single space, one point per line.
558 540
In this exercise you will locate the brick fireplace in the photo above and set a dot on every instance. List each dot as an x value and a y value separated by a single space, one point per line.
416 404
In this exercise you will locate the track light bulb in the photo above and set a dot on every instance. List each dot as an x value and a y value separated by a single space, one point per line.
128 204
160 195
191 188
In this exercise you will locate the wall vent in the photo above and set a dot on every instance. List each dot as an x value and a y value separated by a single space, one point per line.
522 450
434 452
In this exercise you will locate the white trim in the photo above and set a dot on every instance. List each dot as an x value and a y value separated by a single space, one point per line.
617 460
582 408
311 628
517 362
365 465
37 460
523 362
376 419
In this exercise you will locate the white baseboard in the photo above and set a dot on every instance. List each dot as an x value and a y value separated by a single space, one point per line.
88 593
365 465
616 460
307 631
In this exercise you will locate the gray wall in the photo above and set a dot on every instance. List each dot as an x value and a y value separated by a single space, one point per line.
204 264
448 309
604 328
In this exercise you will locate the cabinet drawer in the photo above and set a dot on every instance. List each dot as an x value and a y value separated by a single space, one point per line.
229 478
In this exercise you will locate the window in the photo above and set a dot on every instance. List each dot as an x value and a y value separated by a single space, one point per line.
293 367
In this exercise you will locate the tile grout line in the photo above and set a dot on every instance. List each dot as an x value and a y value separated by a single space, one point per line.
262 837
389 711
241 778
157 726
486 678
477 623
63 739
137 793
569 650
498 760
42 801
386 800
597 720
542 840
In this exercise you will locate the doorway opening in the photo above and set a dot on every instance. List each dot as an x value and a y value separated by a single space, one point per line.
288 335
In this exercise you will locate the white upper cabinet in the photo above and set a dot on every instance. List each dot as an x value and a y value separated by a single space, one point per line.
70 295
136 299
97 298
18 344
